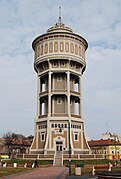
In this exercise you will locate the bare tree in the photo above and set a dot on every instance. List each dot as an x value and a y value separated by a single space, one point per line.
16 143
7 143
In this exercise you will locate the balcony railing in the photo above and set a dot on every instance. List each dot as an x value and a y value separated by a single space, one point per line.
76 115
42 116
59 114
58 90
75 92
43 93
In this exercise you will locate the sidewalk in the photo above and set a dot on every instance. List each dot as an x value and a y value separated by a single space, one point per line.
41 173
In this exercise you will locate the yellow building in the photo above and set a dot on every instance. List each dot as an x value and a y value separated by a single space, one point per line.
110 148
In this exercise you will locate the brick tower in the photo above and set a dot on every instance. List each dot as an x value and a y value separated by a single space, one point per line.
59 62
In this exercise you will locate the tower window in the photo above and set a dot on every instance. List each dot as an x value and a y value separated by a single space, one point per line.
59 100
71 65
56 46
76 138
66 47
46 48
61 125
62 64
54 64
61 46
42 136
72 48
50 47
41 50
59 78
79 50
76 49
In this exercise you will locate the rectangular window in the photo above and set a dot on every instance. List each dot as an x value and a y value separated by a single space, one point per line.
61 46
66 46
42 136
50 47
76 137
52 125
61 125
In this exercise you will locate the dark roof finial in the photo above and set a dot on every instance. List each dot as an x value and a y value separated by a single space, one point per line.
59 20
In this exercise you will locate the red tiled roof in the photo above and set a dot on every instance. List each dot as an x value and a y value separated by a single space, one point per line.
101 142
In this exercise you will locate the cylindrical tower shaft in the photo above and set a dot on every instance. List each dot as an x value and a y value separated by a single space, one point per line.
59 62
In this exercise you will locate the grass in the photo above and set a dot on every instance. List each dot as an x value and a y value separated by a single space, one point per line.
22 161
85 170
89 162
10 171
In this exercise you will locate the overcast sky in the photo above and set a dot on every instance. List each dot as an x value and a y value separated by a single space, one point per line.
99 22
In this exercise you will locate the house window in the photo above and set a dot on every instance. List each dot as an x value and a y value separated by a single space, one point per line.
55 125
59 100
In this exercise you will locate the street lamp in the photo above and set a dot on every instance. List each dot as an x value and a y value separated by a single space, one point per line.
69 148
60 130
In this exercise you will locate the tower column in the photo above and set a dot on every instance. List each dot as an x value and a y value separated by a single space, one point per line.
38 99
68 93
80 90
49 95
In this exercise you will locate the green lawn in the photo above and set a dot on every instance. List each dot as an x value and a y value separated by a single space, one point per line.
89 162
9 171
22 161
85 170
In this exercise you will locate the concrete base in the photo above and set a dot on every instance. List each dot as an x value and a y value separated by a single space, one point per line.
78 171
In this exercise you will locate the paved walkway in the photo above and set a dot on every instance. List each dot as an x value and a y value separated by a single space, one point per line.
41 173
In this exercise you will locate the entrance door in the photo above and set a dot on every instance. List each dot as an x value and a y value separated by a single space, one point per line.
59 147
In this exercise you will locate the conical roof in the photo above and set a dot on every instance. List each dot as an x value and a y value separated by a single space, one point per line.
59 26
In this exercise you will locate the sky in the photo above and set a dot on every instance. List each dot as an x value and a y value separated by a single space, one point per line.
99 22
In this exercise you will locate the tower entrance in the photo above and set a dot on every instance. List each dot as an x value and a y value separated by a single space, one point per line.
59 147
58 154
